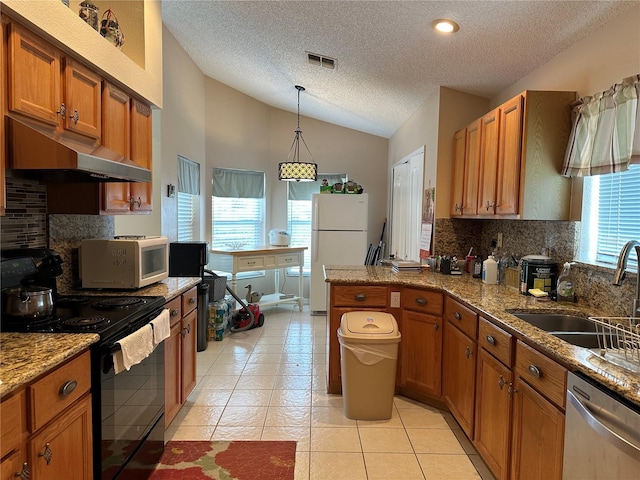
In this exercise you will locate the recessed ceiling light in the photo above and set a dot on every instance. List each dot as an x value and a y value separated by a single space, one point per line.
443 25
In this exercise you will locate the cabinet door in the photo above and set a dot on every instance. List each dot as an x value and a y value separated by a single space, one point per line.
141 153
457 172
172 384
422 353
493 413
488 163
189 337
471 169
538 436
116 135
510 152
34 76
459 361
13 466
83 98
63 449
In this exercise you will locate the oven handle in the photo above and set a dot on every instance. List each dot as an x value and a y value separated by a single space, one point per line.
617 440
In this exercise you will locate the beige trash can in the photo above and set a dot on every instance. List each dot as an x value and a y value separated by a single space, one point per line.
368 362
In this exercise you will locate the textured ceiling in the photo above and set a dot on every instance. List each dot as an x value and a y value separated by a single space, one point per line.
388 57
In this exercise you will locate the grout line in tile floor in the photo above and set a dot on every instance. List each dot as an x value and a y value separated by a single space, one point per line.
269 383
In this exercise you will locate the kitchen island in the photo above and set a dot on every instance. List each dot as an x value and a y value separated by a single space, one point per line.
496 302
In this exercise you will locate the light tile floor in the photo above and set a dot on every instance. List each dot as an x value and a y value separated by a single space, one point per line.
269 383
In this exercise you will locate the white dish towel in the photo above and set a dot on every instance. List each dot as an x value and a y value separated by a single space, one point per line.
161 327
133 348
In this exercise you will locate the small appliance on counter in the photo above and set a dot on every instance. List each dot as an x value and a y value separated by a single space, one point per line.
123 262
279 238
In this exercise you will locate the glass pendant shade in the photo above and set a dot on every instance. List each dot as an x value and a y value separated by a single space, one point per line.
297 171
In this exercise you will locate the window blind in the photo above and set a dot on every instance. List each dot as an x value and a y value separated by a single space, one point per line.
618 214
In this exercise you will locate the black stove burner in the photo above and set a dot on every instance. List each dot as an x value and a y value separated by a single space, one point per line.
85 323
118 302
17 324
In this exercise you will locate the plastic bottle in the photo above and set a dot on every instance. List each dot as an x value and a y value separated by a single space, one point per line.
490 271
477 267
565 290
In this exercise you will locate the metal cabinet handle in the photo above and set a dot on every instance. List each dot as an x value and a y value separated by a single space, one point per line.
501 382
360 297
491 340
47 454
511 390
23 474
457 316
535 371
458 208
468 352
192 300
183 332
491 205
174 312
75 117
188 328
421 301
135 203
68 388
63 111
436 326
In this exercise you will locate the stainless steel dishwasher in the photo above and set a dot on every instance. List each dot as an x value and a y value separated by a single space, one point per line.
602 433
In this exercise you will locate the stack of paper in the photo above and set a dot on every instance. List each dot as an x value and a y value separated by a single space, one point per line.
402 266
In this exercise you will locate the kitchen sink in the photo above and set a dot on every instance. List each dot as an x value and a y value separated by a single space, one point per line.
558 322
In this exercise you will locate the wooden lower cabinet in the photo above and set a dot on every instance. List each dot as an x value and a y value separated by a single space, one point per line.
180 353
538 436
459 372
492 430
45 434
421 353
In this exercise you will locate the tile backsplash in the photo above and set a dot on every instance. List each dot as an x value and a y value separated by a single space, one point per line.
25 222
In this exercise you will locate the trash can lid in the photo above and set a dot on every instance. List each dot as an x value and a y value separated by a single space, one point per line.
368 323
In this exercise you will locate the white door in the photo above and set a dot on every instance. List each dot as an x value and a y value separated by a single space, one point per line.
406 205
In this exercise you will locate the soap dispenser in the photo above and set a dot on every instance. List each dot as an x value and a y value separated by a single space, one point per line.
565 289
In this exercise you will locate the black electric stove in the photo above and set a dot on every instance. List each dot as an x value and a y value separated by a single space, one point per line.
104 315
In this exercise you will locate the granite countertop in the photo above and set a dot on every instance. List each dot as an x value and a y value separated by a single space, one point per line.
169 288
496 301
26 356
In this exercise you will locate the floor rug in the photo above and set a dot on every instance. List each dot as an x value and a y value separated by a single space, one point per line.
236 460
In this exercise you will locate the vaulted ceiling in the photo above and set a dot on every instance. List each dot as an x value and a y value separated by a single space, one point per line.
388 59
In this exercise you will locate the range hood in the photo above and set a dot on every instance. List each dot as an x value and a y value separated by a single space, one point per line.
35 152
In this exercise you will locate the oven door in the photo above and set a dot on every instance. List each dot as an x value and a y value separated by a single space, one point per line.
131 415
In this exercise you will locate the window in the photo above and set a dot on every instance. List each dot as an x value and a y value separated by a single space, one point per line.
237 206
188 200
299 215
610 216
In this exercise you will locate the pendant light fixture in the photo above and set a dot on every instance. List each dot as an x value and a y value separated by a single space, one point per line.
293 170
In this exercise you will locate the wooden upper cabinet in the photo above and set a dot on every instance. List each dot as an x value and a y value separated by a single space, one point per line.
457 172
487 187
34 76
83 99
471 169
510 151
41 89
141 153
516 157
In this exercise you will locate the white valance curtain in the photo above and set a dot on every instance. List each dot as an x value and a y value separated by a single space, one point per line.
188 176
606 131
232 183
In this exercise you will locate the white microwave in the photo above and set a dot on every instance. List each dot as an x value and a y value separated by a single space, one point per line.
123 262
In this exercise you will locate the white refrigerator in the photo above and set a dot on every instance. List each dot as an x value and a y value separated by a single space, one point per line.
338 237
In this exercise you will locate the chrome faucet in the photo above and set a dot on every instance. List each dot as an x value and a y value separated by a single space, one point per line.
618 276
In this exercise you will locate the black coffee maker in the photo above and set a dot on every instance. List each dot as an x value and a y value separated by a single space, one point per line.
188 259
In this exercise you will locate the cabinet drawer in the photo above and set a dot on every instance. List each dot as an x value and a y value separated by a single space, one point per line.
288 259
175 310
359 296
189 300
55 392
424 301
542 373
12 422
251 263
462 317
496 341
